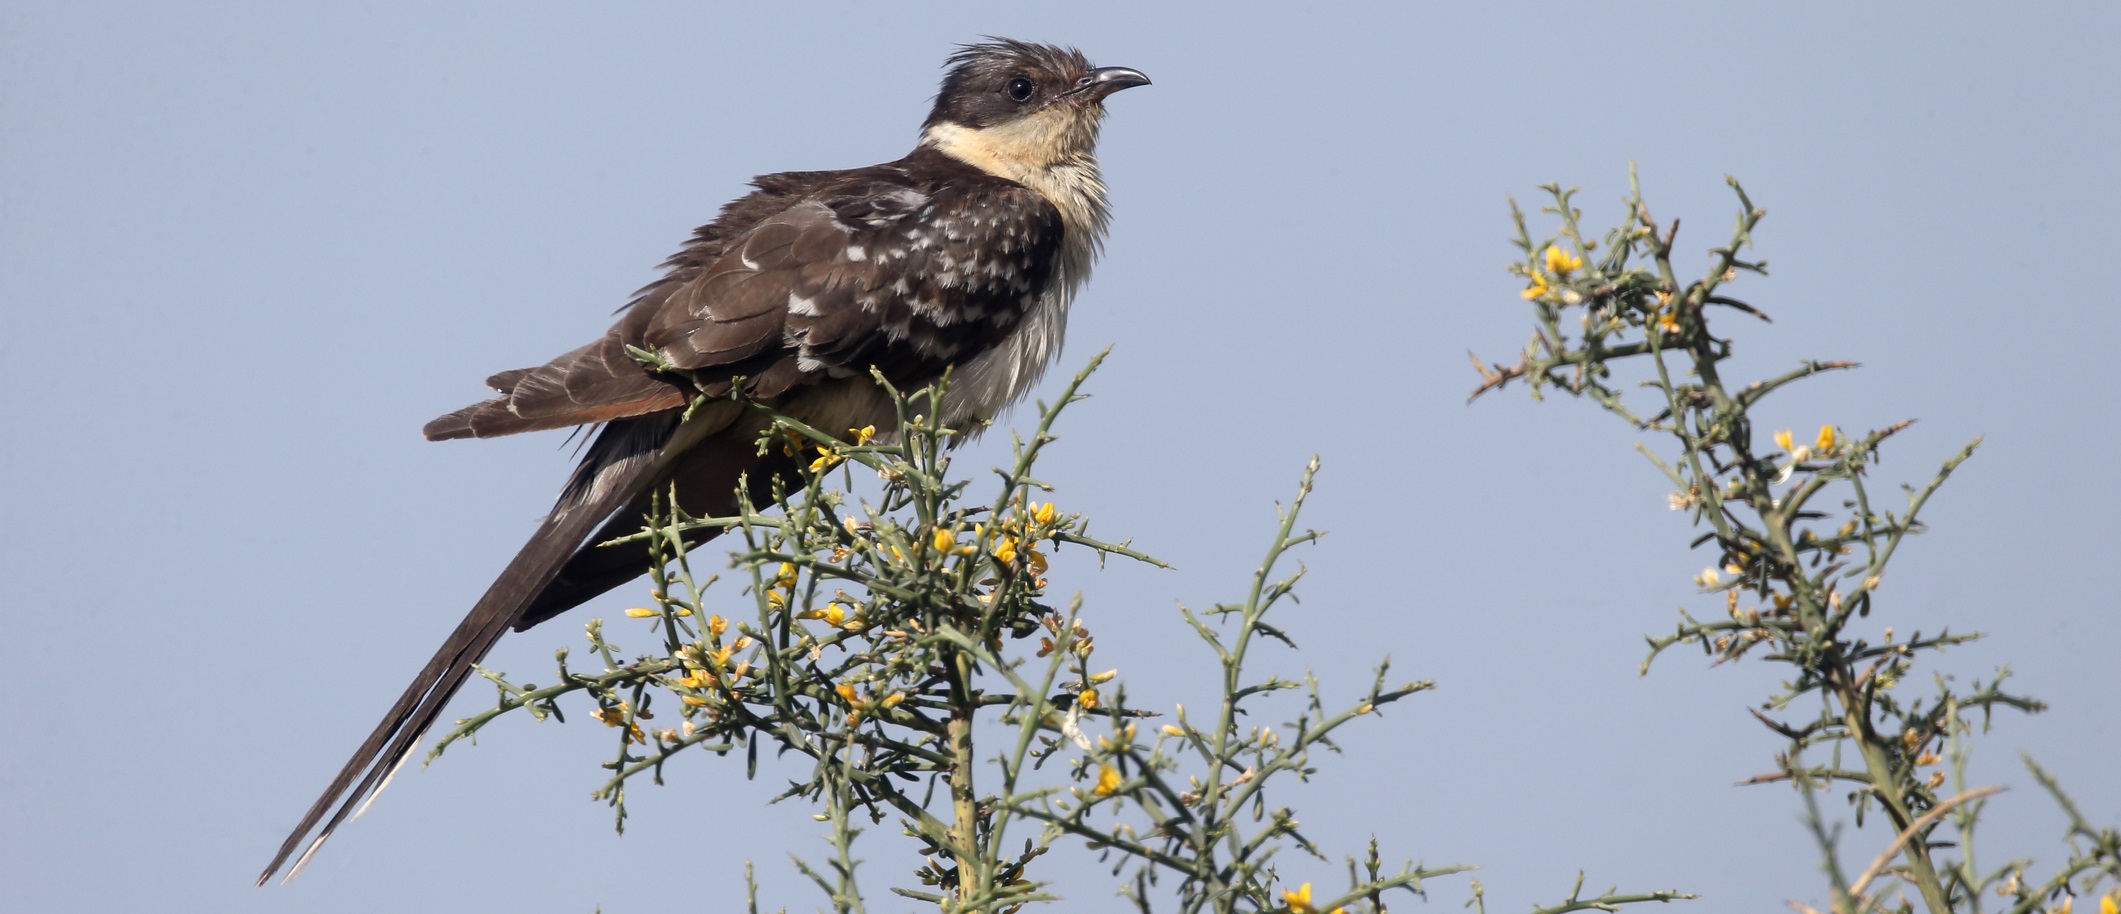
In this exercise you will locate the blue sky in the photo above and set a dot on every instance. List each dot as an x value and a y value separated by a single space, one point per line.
247 249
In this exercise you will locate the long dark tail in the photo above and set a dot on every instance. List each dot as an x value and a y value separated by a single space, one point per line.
706 478
611 474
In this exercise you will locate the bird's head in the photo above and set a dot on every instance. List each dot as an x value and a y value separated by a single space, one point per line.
1011 107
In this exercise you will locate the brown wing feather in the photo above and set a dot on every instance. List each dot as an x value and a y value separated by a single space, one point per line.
908 268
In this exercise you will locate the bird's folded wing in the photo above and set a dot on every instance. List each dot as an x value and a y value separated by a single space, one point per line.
878 274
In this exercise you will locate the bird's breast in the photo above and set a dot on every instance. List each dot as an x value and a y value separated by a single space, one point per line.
1003 374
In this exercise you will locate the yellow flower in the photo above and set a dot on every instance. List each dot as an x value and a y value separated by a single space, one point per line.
640 612
847 693
719 656
1299 901
616 717
1708 578
1826 439
1088 698
2110 903
1784 441
786 577
833 614
863 434
825 459
1173 730
1667 323
1005 550
1042 512
944 539
1107 780
1562 262
716 625
1538 288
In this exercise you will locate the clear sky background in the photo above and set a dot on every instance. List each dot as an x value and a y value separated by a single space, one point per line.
247 249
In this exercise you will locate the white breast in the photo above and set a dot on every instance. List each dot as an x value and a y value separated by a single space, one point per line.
997 378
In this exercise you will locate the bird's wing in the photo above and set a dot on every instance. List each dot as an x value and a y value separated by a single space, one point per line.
876 274
866 272
869 273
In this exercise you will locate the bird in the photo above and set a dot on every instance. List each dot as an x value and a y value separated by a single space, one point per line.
961 257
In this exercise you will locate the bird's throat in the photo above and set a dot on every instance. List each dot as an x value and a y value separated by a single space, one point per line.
1054 154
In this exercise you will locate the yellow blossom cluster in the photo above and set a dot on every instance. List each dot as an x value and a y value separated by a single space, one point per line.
1080 641
1825 444
1661 314
2109 903
620 715
1108 780
859 705
944 541
1299 901
1559 263
827 457
712 666
643 612
835 614
1008 549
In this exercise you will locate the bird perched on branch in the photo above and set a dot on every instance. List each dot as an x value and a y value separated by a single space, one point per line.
963 256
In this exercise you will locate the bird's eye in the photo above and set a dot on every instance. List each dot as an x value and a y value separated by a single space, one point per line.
1019 89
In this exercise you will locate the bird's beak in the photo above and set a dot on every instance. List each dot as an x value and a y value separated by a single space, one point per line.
1103 81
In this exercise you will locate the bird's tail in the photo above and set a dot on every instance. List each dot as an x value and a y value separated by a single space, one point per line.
706 477
611 475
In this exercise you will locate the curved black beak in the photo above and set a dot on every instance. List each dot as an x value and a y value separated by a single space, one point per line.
1104 81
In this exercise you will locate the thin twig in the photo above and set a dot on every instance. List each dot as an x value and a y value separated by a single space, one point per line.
1907 834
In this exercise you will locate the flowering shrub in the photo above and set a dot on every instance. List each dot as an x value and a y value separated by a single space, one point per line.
904 644
1792 569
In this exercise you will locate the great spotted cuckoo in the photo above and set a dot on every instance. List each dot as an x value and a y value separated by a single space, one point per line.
961 256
